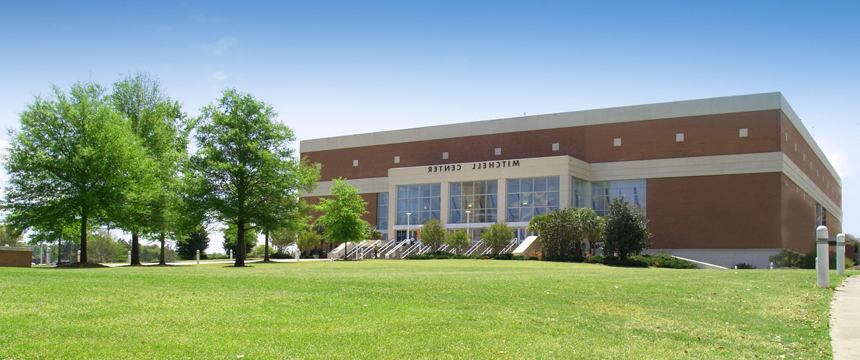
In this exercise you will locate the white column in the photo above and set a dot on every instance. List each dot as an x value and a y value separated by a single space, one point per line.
445 200
502 200
823 261
840 254
564 191
392 211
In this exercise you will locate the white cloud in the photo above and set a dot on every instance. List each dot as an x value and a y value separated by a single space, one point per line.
220 47
219 75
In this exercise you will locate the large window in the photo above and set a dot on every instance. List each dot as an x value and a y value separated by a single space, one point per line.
478 197
423 202
382 215
577 193
602 193
531 197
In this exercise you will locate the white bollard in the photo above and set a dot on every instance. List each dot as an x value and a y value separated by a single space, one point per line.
231 255
736 267
198 257
771 265
840 254
129 257
48 256
79 256
823 266
297 254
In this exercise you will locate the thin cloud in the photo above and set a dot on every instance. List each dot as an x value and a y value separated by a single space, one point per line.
219 76
220 47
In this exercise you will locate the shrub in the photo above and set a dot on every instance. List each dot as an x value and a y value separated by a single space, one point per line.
436 255
573 258
278 255
629 262
597 259
744 266
787 258
532 258
665 261
625 233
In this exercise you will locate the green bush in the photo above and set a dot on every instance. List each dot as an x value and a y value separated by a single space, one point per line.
666 261
278 255
574 258
597 259
631 261
532 258
744 266
436 255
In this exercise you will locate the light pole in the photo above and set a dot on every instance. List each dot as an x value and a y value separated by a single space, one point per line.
408 215
468 231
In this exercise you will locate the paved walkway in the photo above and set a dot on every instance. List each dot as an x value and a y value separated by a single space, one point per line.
845 320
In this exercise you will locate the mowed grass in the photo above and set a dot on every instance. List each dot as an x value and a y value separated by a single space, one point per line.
374 309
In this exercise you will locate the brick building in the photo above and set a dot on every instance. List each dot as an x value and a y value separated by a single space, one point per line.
722 180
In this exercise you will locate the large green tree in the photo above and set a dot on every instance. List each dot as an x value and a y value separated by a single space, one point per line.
625 232
74 159
244 172
162 128
188 246
342 215
559 233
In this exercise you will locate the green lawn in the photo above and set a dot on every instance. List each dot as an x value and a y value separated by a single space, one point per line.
412 309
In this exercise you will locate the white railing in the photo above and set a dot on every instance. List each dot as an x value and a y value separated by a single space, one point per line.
475 246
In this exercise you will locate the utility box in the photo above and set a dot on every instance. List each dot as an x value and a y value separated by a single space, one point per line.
15 256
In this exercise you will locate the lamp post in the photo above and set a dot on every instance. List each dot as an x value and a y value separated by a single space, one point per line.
408 215
840 254
823 257
468 231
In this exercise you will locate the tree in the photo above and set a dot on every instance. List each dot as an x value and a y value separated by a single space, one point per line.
188 246
625 232
558 233
433 234
104 247
74 159
373 233
160 125
230 239
458 239
592 227
244 172
308 240
282 239
9 237
497 236
342 215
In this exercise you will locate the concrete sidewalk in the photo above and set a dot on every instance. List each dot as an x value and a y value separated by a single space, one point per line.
845 320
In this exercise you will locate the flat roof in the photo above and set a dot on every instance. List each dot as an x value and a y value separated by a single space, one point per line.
675 109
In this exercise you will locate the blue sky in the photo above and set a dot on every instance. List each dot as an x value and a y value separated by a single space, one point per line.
338 68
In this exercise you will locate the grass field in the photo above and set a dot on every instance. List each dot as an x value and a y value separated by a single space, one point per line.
373 309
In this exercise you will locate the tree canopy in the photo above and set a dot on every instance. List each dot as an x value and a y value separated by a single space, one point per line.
433 234
75 159
458 239
497 236
244 172
625 232
342 214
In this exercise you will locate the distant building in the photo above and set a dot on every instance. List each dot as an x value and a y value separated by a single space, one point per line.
722 180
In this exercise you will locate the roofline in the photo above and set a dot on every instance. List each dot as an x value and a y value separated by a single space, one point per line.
666 110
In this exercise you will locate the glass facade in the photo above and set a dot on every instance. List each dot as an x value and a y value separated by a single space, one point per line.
423 201
382 215
479 197
531 197
602 193
577 193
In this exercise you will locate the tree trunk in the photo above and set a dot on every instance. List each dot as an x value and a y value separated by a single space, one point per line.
161 260
83 237
266 251
135 249
240 244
